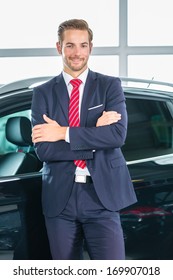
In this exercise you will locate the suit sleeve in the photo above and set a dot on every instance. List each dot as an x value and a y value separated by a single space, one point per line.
104 137
51 151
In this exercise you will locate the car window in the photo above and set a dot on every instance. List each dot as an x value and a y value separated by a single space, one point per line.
5 145
150 129
16 159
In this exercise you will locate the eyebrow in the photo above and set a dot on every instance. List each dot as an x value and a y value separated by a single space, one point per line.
74 43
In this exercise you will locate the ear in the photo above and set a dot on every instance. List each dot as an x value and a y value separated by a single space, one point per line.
91 47
58 46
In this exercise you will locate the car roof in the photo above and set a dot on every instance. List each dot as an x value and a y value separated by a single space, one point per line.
144 86
23 84
132 85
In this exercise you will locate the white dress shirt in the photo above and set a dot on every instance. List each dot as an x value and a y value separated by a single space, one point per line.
67 79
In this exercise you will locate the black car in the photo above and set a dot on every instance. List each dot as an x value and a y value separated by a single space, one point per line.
147 225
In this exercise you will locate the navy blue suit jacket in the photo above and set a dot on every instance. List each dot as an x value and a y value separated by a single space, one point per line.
106 165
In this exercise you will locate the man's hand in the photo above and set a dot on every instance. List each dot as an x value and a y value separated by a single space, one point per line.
108 118
50 131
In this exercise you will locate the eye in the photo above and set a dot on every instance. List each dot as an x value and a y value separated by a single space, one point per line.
84 45
69 46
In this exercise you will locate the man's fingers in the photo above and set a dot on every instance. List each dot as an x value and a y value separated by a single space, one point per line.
47 119
111 113
108 118
111 116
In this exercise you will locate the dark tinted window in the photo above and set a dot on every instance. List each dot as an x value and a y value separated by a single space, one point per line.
149 129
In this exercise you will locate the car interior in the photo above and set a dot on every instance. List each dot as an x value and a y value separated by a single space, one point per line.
22 159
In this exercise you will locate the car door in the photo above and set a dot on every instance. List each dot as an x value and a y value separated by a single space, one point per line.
22 229
148 150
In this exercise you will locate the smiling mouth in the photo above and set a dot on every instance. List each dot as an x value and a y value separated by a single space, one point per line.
76 60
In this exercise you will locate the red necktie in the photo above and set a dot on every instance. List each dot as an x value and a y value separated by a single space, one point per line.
74 113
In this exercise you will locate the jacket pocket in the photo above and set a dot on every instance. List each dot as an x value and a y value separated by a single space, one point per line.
95 107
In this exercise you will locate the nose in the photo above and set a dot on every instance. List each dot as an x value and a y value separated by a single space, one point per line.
77 50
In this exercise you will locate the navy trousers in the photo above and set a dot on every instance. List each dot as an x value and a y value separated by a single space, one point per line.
85 221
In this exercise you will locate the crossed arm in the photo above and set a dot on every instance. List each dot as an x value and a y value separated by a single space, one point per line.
51 131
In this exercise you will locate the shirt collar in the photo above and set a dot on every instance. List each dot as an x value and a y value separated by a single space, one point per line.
82 77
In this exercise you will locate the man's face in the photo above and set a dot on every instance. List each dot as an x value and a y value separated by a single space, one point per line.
75 50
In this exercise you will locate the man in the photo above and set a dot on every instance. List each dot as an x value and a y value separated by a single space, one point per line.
79 125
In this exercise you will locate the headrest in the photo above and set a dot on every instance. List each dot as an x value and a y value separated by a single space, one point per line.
18 131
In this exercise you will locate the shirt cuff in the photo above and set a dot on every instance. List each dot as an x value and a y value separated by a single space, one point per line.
67 137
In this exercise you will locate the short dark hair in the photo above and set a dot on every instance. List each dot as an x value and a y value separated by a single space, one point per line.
79 24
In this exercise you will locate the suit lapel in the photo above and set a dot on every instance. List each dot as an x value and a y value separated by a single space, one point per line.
87 95
62 94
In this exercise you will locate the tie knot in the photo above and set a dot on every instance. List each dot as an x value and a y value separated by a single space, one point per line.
75 82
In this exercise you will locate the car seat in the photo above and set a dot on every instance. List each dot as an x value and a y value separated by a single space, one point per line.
23 160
